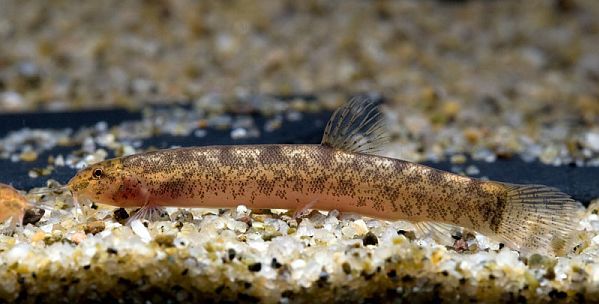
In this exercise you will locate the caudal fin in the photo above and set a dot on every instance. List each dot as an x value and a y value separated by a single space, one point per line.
538 219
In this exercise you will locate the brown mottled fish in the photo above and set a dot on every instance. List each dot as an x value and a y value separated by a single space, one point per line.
12 206
341 173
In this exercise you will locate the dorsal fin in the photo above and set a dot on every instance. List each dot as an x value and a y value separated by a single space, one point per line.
357 126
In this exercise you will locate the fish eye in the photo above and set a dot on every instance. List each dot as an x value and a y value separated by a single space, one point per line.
97 173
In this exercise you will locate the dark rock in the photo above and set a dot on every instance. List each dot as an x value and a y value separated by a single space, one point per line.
33 215
370 239
255 267
120 214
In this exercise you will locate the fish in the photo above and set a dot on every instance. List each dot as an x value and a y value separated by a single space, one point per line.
13 206
344 172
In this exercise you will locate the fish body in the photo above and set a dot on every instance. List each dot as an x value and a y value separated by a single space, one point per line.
342 173
12 205
290 176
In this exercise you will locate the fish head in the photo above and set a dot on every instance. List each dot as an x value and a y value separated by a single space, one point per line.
109 183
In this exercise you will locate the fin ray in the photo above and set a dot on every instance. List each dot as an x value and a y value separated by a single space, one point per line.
148 212
538 219
358 126
440 232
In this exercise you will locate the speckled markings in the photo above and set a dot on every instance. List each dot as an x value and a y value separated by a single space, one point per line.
341 173
291 176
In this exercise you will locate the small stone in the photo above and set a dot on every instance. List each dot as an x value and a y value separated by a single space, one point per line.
120 214
370 239
239 133
536 261
460 245
33 215
231 253
128 150
348 232
242 210
140 229
59 161
28 156
410 235
458 159
200 133
182 215
38 236
549 155
78 237
451 108
284 248
359 226
256 267
346 267
275 264
592 141
94 227
472 135
165 240
472 170
11 100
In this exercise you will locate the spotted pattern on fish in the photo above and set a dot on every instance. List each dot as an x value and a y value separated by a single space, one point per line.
287 176
341 173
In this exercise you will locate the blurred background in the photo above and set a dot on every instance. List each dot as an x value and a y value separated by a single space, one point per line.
484 80
542 56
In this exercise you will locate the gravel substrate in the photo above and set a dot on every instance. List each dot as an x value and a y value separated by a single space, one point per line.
201 254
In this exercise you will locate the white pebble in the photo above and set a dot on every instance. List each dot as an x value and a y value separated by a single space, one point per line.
284 248
359 226
138 228
472 170
17 253
200 133
101 126
59 161
241 209
106 139
294 116
306 228
348 231
128 150
88 145
238 133
592 141
595 273
507 258
11 99
297 264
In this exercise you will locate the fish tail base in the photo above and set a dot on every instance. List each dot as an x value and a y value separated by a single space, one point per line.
537 219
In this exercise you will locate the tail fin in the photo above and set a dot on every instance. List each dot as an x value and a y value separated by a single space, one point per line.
538 219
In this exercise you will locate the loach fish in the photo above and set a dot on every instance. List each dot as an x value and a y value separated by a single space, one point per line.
342 173
12 206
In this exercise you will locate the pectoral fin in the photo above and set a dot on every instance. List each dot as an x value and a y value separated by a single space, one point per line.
440 232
